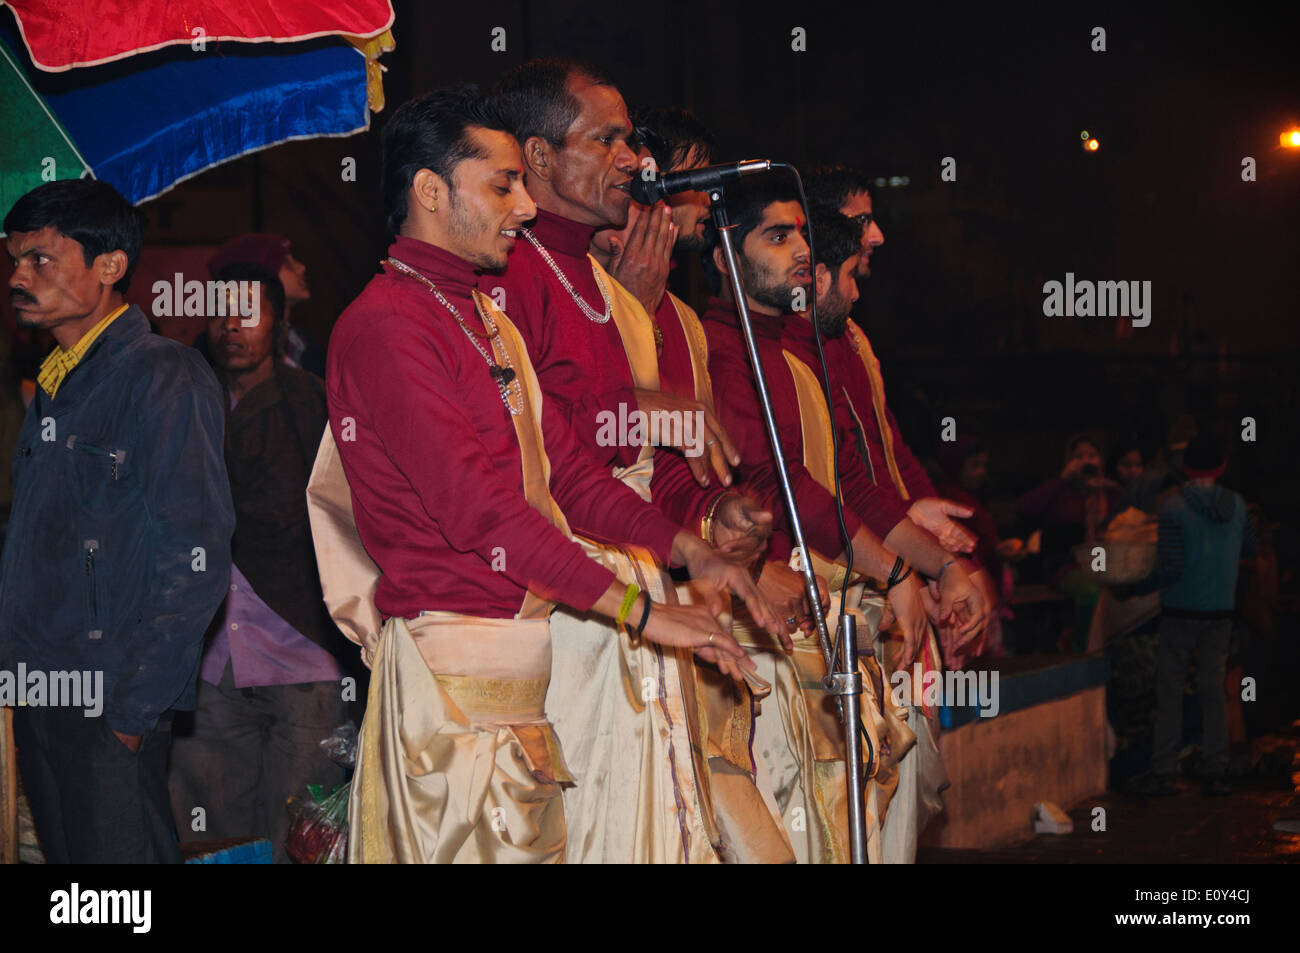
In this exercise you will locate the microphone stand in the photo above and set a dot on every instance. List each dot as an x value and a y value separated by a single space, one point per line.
843 680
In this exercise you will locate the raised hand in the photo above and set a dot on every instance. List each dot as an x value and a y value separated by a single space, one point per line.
642 256
935 514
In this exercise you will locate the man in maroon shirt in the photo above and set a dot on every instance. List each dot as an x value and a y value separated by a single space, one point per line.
438 423
852 367
640 256
774 259
596 356
887 454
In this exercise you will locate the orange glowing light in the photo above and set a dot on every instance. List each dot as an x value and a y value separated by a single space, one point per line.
1092 145
1291 139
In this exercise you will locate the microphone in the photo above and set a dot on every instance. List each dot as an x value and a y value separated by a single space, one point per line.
694 180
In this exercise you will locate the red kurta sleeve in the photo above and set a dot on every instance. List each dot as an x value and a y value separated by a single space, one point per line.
595 504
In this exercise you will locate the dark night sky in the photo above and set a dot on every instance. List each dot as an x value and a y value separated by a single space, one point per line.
955 302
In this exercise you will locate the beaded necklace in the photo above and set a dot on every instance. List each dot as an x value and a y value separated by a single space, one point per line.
507 380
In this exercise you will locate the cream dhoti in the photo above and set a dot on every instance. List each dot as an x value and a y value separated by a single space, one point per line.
457 762
632 728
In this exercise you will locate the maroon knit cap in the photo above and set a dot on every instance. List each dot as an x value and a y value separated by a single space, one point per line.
259 248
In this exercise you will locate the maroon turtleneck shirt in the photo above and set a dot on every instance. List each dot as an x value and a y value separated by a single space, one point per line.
734 392
433 461
581 364
846 369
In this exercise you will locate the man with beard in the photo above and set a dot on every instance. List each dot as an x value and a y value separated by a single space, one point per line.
774 258
118 549
451 459
596 356
890 461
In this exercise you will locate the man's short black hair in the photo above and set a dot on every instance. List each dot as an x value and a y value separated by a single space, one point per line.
833 184
746 200
535 100
274 289
836 238
672 134
431 132
90 212
750 197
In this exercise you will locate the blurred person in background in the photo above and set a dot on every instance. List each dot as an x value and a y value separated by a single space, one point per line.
274 253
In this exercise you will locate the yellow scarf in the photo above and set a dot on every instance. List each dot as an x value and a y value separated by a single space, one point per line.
862 347
60 363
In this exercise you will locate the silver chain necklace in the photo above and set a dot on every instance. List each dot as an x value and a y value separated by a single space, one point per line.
506 379
587 309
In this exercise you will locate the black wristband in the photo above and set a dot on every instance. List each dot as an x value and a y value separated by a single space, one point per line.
894 578
645 617
899 579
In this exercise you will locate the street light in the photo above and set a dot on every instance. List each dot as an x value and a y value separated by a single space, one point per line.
1291 139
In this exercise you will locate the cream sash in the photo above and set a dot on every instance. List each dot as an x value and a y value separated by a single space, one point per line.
802 747
862 347
698 343
915 781
637 333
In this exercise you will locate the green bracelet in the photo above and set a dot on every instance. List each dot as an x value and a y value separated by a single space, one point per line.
629 599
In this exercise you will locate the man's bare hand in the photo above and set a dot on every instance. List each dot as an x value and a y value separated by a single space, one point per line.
698 628
741 528
936 515
960 603
709 447
641 260
704 563
908 608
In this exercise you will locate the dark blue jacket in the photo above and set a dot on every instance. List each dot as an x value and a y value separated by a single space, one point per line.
118 550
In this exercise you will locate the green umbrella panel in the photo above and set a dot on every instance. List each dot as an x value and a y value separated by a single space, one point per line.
34 147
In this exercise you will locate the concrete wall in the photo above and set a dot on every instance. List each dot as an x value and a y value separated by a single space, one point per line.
1001 767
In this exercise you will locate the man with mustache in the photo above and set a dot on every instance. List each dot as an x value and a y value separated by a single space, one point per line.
596 353
675 141
118 549
443 465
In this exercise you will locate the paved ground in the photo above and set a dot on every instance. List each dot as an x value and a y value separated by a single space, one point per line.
1187 828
